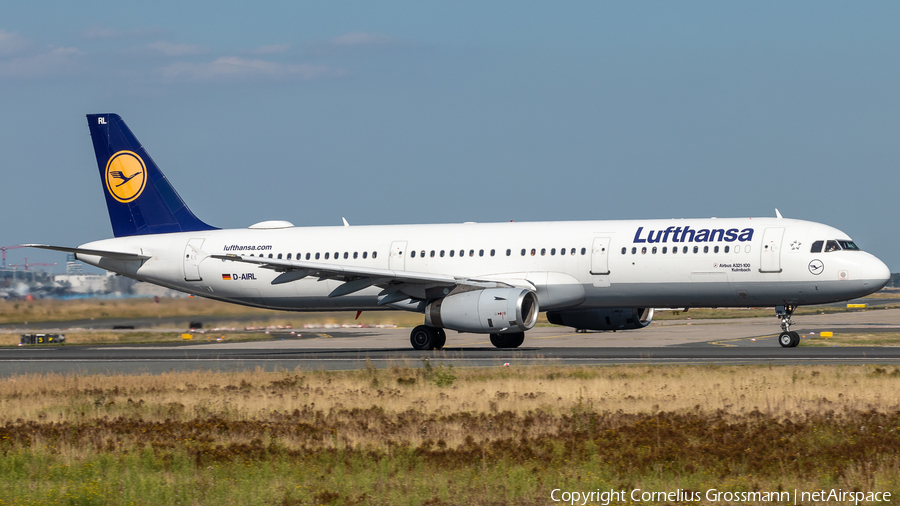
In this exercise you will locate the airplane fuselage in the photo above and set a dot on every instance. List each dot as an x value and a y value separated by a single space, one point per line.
580 264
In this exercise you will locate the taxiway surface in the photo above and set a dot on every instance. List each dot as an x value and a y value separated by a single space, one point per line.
733 341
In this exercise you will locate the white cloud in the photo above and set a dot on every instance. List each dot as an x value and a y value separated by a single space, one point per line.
58 61
11 42
271 49
171 49
236 67
362 39
99 32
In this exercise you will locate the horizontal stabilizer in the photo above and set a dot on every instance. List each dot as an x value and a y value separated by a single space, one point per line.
119 255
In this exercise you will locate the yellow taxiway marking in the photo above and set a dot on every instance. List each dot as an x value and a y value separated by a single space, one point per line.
722 343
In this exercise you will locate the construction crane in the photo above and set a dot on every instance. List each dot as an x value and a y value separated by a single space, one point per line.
4 248
26 265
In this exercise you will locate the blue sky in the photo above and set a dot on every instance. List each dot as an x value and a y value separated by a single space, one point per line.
420 112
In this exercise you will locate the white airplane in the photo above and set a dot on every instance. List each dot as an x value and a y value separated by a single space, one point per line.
490 278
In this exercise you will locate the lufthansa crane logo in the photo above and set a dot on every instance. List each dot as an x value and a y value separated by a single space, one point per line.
816 267
126 176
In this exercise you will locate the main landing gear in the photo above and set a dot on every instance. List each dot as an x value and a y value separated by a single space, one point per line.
424 337
787 338
513 340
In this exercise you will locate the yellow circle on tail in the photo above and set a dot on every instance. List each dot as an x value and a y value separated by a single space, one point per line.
126 176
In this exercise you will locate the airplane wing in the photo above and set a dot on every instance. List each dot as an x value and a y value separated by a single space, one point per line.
118 255
397 285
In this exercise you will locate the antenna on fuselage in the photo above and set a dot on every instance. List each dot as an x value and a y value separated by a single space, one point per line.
345 222
778 213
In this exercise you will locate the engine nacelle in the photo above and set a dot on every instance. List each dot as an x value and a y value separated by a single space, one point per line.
602 319
492 310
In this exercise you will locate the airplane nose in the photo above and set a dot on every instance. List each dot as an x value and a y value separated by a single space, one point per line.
877 272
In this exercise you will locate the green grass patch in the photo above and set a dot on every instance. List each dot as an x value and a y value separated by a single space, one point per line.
853 339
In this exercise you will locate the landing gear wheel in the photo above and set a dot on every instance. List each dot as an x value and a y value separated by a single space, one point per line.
789 339
441 338
515 340
786 340
499 340
423 337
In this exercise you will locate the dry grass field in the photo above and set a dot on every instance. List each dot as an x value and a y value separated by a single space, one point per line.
190 308
50 310
434 435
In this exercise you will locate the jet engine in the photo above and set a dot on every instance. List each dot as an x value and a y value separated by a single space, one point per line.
602 319
492 310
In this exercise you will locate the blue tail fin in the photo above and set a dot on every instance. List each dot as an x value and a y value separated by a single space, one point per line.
139 197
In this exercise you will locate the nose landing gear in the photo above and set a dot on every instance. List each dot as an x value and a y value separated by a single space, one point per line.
787 338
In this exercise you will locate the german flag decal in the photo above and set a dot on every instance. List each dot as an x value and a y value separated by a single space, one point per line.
226 277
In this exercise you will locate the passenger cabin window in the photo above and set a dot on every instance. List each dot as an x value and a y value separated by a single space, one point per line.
562 251
452 252
634 251
432 253
727 248
326 256
481 252
624 250
471 252
508 252
573 252
583 251
552 251
817 247
523 252
715 249
317 256
543 251
644 250
355 255
665 250
346 255
492 252
706 249
462 252
307 256
654 250
422 254
533 251
412 253
848 246
365 254
374 254
442 253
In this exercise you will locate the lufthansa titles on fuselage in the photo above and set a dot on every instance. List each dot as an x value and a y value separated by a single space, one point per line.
687 234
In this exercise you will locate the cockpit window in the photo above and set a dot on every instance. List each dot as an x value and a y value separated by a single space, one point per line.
831 246
849 245
817 247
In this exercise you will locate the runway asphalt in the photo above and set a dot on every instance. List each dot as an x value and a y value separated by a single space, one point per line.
735 341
